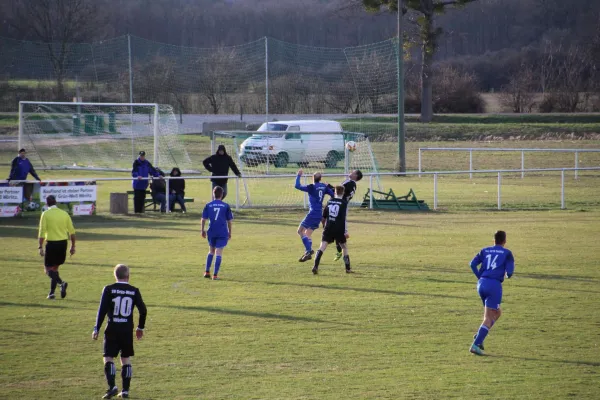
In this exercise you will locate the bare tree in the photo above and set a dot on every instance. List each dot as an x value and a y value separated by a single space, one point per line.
519 95
60 24
217 76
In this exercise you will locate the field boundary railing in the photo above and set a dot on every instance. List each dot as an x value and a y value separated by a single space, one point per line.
240 181
498 149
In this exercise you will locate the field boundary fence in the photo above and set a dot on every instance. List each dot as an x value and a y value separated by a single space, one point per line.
241 187
499 149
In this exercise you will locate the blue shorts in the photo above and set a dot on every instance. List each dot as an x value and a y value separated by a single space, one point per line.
490 291
217 242
311 221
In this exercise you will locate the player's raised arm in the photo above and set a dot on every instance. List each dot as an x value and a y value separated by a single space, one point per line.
475 263
298 185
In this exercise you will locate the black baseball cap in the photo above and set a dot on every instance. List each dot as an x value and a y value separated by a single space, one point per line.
142 153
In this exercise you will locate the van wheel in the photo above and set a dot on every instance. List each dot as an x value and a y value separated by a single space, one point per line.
282 160
332 159
303 164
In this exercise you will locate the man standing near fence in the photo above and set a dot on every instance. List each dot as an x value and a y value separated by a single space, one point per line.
141 170
20 167
56 228
219 164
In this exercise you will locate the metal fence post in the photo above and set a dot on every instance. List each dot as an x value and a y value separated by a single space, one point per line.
420 155
522 164
499 191
237 193
435 200
576 164
371 192
167 195
471 163
562 189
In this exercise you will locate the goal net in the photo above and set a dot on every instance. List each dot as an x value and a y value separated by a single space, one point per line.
279 155
99 135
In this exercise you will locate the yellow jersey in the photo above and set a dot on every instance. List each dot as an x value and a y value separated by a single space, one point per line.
55 225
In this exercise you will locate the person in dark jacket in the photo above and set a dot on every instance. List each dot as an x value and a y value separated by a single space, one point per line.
159 191
219 164
141 170
177 189
20 167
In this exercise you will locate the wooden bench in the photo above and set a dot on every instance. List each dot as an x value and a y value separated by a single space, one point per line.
149 202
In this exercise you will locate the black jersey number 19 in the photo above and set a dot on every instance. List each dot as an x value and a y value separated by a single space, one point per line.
334 210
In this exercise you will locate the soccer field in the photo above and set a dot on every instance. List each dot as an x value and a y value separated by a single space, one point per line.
400 327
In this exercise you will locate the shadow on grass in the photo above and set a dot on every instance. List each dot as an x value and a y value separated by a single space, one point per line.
244 313
50 304
355 289
21 332
29 232
541 360
474 284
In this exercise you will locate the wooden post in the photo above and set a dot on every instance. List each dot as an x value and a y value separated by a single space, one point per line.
118 203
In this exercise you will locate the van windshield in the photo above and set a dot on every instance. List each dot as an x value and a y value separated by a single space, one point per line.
275 127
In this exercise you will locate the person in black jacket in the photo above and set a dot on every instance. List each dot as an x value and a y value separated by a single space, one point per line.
159 191
219 164
177 189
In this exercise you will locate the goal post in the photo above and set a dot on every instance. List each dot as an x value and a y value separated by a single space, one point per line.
283 153
85 135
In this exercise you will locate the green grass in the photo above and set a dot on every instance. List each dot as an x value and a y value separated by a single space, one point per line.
398 328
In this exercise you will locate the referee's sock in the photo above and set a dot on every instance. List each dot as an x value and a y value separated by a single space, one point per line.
217 264
110 372
54 276
347 262
318 258
126 373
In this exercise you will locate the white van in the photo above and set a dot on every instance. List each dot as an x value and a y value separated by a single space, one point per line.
299 142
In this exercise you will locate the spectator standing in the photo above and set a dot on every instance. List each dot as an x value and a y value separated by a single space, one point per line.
218 164
141 170
20 167
177 189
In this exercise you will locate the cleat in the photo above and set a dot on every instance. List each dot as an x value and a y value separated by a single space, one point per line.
63 290
315 270
124 394
476 350
207 275
110 393
51 296
349 271
481 345
306 256
338 256
216 278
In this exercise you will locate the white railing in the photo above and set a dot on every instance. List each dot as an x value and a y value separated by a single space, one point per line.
523 151
239 182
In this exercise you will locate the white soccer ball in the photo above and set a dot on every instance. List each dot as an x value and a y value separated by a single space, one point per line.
31 206
351 145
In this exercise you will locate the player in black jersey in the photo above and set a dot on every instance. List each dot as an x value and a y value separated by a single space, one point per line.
349 190
334 221
117 304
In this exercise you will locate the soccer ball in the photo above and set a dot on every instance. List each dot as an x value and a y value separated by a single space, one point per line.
32 206
351 145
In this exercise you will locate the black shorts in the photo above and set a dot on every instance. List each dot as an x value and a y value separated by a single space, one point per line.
56 253
329 237
118 342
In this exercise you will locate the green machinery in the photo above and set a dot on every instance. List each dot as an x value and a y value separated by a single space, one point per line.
389 201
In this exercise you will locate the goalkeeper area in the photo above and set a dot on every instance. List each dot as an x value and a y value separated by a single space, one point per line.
108 136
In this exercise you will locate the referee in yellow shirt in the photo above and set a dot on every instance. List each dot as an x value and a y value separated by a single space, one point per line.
56 228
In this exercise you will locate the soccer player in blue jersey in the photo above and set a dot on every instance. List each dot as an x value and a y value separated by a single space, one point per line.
316 193
219 230
496 262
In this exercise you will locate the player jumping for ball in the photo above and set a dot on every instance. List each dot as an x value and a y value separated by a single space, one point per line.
349 190
316 193
334 221
496 263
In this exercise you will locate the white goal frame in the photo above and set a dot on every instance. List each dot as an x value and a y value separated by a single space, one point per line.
66 103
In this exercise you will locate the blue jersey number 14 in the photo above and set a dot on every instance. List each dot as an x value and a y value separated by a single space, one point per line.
491 262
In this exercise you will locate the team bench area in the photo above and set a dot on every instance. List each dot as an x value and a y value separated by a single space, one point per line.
149 202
